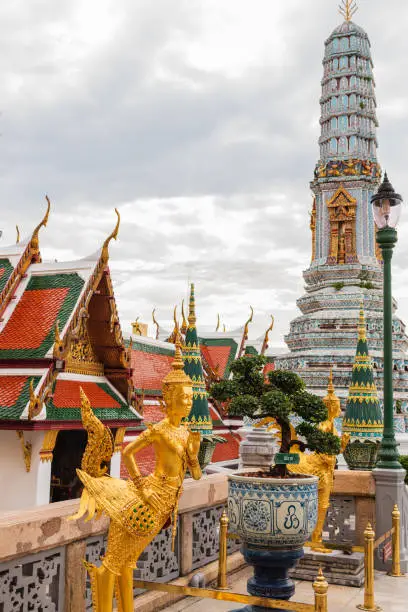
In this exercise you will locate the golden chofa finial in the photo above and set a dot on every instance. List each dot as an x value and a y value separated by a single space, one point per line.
362 323
348 8
156 323
184 324
35 244
114 234
245 333
266 338
18 234
218 322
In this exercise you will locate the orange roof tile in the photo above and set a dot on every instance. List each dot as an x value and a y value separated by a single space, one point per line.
149 369
152 414
227 451
67 395
33 318
10 389
216 356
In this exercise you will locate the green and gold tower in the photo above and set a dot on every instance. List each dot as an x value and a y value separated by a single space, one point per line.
200 418
363 419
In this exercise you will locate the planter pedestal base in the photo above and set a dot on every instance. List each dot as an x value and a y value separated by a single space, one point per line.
271 573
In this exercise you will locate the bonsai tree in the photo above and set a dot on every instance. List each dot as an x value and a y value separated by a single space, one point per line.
278 396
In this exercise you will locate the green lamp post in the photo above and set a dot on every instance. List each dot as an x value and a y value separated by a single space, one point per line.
387 208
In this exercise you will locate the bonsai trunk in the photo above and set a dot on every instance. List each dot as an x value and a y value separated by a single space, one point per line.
282 470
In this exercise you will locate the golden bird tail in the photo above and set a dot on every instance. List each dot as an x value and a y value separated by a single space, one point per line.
100 446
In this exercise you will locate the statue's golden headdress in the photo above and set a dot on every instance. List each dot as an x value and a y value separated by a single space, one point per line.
177 376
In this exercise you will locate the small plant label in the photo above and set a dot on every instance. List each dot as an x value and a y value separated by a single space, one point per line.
287 458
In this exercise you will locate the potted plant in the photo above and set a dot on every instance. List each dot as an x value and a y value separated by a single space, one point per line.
274 511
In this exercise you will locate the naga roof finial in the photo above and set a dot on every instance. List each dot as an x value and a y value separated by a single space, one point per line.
114 234
218 322
35 244
266 338
184 324
18 234
156 324
245 333
348 8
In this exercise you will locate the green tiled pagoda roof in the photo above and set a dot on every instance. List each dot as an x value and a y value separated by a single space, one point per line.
363 416
199 417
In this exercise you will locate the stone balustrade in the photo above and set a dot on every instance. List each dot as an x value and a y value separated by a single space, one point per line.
41 551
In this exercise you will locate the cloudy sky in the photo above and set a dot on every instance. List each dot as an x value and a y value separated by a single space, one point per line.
198 119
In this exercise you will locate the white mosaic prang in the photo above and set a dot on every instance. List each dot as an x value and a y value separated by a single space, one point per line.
325 333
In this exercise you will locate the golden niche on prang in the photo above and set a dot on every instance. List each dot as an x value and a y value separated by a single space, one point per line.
342 216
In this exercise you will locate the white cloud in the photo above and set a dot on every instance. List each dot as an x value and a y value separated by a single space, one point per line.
199 120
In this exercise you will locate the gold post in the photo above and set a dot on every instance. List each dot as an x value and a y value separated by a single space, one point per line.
396 542
369 603
222 560
320 587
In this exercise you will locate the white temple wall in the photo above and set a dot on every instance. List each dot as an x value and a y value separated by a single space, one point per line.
115 465
21 489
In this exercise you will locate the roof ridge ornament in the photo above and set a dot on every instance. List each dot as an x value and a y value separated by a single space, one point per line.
348 8
114 234
34 238
156 323
18 235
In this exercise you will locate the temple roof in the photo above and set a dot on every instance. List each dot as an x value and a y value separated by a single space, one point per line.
59 329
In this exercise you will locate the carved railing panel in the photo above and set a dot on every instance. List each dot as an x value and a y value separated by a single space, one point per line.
206 536
340 524
34 583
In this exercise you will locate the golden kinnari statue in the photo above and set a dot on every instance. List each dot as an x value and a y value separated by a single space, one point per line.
322 465
318 464
140 507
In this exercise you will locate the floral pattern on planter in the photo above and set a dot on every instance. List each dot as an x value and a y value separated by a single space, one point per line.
256 515
269 512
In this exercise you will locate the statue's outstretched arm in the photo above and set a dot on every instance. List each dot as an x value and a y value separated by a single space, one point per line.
142 441
193 446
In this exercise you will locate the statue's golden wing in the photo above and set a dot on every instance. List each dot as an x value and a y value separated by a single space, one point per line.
100 445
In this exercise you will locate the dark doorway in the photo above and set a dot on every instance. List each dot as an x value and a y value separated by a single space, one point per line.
67 457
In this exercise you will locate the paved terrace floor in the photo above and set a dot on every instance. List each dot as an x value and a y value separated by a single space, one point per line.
391 594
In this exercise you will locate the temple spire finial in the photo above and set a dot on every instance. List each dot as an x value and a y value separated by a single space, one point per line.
191 313
362 323
348 8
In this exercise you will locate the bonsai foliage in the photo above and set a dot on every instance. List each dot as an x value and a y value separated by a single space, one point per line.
279 396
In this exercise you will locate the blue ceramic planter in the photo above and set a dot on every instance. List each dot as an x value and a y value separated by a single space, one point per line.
274 518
